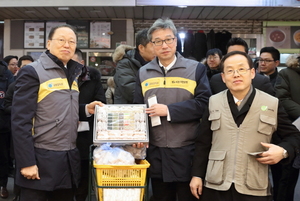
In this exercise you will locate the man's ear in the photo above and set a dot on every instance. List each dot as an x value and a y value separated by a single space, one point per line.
252 71
141 48
277 63
48 44
223 78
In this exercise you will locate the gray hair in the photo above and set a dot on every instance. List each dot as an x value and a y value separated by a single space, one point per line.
160 23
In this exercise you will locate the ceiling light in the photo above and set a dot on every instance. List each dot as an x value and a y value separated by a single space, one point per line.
182 35
182 6
63 8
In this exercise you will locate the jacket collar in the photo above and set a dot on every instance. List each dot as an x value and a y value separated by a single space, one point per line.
54 59
50 61
273 75
235 112
180 63
138 57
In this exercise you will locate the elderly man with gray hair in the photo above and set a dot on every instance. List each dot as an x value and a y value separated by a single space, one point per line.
181 89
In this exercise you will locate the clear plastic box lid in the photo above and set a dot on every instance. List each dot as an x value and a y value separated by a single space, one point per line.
120 124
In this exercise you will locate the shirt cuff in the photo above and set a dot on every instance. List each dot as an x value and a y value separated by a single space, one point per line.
168 116
87 112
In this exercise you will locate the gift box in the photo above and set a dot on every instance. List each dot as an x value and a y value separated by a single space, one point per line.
120 124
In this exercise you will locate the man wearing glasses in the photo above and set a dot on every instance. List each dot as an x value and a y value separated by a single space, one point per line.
259 81
181 89
12 63
233 148
45 118
268 62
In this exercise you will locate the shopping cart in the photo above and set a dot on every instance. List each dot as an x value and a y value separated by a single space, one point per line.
118 182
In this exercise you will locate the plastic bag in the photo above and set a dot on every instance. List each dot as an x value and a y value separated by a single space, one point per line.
107 155
137 153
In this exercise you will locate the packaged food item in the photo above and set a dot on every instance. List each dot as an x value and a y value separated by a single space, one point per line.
107 155
119 124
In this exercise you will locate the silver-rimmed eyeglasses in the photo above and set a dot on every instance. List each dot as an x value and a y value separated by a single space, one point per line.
240 71
62 41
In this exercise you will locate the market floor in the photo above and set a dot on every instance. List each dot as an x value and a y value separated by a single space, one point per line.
11 196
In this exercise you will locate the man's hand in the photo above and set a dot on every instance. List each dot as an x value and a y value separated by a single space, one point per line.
272 156
91 106
157 110
31 172
140 145
196 186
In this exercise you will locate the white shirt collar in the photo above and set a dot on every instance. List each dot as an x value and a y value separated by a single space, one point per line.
237 100
246 97
170 65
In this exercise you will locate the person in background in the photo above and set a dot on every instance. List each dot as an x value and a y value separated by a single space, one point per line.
212 61
288 92
12 63
6 78
268 62
237 44
23 61
45 114
267 65
231 158
129 60
110 91
91 89
180 87
260 82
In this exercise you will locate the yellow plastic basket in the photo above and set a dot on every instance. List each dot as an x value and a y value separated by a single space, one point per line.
118 176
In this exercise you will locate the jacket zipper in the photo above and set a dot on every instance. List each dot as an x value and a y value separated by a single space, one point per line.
71 101
165 75
235 154
71 116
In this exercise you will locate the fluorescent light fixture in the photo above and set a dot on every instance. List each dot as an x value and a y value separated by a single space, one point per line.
63 8
182 6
